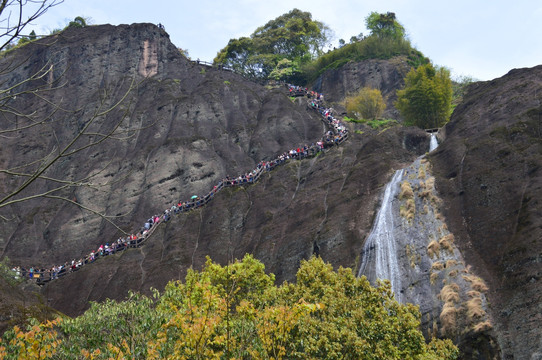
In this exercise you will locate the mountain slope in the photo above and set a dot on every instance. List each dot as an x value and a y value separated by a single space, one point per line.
187 127
488 173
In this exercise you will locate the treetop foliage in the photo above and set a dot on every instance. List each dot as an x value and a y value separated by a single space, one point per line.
386 40
426 98
384 25
293 36
237 312
291 46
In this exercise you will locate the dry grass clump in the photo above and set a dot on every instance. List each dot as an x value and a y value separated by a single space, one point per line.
473 294
437 266
408 210
479 285
453 273
450 293
450 263
433 278
474 308
425 194
433 249
482 326
446 242
448 318
421 173
412 256
406 191
425 210
476 283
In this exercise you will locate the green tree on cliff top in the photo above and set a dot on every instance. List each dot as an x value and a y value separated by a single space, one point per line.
384 25
294 36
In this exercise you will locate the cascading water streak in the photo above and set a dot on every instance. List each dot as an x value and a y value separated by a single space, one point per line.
380 248
433 143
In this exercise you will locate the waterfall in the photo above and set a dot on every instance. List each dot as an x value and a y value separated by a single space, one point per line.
433 143
380 247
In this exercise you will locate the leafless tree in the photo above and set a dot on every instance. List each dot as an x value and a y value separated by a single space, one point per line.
39 88
16 15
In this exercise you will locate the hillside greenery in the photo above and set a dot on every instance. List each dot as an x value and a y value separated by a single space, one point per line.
371 47
290 48
237 312
367 103
294 36
386 40
426 99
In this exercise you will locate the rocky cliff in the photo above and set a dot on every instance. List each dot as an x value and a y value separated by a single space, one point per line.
185 127
384 75
488 172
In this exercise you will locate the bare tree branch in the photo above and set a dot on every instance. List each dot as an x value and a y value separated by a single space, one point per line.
69 149
25 12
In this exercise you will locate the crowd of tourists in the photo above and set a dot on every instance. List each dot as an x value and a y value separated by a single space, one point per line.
335 135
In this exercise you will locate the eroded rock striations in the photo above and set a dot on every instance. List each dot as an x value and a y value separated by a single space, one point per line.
384 75
488 172
187 126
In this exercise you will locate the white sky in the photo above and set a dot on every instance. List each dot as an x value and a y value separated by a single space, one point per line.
479 38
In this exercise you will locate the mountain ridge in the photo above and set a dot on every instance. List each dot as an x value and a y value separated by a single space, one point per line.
196 124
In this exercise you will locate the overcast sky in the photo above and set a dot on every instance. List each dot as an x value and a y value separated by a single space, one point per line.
479 38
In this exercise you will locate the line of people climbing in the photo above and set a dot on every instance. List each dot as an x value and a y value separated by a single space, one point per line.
336 134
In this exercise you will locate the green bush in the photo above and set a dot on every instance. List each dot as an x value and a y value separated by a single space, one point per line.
236 311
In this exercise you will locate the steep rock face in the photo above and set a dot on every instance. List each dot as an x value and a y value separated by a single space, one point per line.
325 205
186 127
384 75
488 172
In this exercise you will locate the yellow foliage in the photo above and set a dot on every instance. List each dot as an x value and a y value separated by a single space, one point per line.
195 329
39 342
439 265
366 104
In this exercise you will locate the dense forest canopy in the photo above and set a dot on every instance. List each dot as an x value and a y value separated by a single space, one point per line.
236 311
